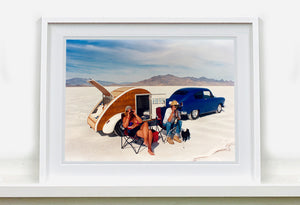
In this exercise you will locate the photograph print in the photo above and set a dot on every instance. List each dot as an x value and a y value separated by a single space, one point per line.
150 99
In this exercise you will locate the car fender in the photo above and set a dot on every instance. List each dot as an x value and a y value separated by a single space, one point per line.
220 100
192 105
110 124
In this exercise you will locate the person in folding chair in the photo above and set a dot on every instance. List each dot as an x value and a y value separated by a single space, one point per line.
136 127
173 119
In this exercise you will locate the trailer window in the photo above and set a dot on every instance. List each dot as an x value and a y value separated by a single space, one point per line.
158 101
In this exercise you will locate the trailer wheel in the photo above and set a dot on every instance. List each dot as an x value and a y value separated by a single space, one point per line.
118 130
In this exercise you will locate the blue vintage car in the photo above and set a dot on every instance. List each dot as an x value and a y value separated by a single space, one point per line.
196 101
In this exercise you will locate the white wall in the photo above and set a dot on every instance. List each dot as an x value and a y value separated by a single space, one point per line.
20 66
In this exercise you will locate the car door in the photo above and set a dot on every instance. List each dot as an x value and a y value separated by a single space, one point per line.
199 102
208 101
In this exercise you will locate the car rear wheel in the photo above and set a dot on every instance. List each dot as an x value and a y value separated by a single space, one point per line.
219 109
194 115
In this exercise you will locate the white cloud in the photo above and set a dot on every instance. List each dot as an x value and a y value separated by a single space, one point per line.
212 58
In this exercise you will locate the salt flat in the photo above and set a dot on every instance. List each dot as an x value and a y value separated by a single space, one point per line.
212 136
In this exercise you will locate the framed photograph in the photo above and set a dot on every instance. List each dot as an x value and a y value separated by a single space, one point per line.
159 102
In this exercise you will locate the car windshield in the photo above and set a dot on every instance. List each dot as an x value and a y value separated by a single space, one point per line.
181 92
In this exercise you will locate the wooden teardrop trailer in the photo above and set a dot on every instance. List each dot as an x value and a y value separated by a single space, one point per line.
106 114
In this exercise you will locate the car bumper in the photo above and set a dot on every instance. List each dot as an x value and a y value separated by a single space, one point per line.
183 112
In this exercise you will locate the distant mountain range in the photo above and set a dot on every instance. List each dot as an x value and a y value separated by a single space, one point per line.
162 80
159 80
83 82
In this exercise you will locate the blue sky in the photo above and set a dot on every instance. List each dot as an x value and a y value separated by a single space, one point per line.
130 60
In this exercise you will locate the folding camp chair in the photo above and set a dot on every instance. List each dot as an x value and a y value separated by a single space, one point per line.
135 142
160 114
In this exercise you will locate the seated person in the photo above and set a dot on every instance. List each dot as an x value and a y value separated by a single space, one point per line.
136 126
173 119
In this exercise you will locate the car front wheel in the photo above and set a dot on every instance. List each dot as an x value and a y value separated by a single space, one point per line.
194 115
219 109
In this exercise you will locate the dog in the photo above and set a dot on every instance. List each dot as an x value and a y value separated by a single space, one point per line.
185 135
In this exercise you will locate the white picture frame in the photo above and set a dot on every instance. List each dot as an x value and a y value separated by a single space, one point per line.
245 171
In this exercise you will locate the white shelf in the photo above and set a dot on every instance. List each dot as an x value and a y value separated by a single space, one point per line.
161 191
280 178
